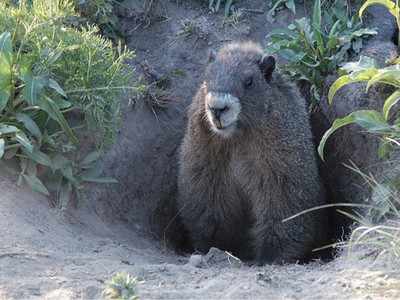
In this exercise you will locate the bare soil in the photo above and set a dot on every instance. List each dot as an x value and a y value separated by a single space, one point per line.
49 254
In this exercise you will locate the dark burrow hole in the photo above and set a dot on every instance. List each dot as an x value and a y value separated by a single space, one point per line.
144 161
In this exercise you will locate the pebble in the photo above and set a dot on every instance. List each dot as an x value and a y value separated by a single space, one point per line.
195 260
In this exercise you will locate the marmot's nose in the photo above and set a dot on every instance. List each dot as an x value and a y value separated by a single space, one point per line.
217 112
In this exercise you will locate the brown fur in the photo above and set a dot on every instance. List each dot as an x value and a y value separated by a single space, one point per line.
234 192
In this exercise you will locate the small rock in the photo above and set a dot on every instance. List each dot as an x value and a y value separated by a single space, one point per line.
195 260
221 258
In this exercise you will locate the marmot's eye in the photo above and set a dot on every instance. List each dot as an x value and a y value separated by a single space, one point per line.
248 82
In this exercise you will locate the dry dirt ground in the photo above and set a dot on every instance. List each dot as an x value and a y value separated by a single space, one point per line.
46 254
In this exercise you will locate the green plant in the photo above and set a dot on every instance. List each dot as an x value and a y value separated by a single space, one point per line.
378 228
234 18
60 92
122 286
315 47
188 28
276 4
100 13
214 5
373 121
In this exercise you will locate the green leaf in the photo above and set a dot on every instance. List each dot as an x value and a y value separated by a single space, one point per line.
384 149
337 85
29 124
93 172
2 145
390 102
364 31
19 135
55 86
36 184
386 76
64 195
390 5
395 61
4 97
39 157
54 112
5 69
291 6
68 173
62 104
362 64
60 161
347 79
33 88
227 7
272 11
371 120
24 141
291 55
7 129
316 24
99 179
335 27
90 158
6 47
282 32
217 5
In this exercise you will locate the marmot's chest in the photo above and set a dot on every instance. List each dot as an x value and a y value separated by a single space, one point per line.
247 167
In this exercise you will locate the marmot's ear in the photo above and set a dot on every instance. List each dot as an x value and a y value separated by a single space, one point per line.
212 55
267 66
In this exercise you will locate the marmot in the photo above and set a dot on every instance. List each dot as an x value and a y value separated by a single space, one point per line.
247 162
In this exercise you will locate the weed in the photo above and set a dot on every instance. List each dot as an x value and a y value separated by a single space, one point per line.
315 47
188 28
380 228
214 6
122 286
235 17
375 122
277 4
57 84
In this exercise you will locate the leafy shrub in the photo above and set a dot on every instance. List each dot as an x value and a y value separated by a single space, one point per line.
315 47
365 70
376 122
380 228
60 92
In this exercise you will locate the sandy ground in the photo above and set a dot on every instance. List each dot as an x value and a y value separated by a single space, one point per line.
47 255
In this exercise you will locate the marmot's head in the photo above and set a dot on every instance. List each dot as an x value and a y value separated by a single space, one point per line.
235 84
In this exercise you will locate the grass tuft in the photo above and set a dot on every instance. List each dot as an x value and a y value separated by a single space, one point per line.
121 286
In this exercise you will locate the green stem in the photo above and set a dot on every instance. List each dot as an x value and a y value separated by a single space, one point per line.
12 146
102 89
